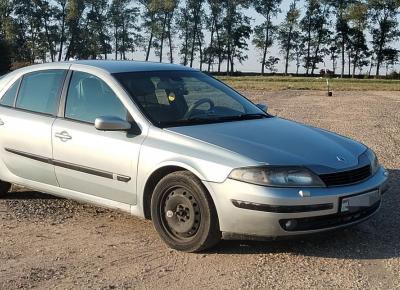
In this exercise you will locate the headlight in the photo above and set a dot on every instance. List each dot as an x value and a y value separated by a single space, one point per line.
277 176
373 159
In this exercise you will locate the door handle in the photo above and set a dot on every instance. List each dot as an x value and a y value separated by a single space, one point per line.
63 136
1 122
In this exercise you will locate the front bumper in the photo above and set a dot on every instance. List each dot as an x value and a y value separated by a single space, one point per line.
283 204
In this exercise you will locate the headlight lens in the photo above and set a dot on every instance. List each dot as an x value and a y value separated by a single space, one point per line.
374 161
277 176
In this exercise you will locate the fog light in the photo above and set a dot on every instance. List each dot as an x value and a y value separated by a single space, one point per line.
290 225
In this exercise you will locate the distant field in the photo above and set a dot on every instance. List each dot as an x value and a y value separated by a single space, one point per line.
300 83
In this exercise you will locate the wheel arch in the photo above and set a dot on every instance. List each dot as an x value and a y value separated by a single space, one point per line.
156 176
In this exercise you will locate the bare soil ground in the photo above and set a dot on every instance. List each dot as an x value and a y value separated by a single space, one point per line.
47 242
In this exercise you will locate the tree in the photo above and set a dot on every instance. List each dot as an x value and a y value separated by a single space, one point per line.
5 59
97 28
196 12
315 33
190 24
76 37
384 28
149 24
237 31
264 33
158 23
124 18
271 62
46 12
288 33
28 28
61 13
342 27
5 24
167 9
298 54
391 58
359 52
184 27
215 24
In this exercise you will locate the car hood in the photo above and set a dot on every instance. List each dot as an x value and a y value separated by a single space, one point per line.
277 141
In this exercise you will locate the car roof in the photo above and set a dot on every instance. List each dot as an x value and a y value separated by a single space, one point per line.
110 66
115 66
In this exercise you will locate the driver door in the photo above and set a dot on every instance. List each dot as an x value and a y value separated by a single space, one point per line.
88 161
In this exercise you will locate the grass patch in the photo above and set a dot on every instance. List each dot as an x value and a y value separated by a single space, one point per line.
301 83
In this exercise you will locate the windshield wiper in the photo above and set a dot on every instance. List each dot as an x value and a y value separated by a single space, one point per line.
252 116
224 118
207 120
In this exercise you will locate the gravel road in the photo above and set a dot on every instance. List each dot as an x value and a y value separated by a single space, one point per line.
47 242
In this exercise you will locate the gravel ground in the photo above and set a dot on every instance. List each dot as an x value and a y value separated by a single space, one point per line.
47 242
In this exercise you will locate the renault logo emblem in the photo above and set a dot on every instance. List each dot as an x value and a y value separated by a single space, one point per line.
340 158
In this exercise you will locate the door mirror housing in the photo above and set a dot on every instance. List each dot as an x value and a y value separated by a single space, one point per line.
263 107
108 123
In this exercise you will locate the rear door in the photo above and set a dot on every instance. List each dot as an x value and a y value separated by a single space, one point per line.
27 112
102 164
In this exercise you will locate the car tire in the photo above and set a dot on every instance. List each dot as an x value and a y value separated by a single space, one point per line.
4 188
184 214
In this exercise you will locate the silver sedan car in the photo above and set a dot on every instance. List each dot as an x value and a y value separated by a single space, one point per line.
174 145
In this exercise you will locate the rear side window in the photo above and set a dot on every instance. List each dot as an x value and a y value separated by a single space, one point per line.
89 98
9 97
39 91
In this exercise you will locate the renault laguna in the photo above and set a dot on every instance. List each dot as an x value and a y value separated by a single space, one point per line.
174 145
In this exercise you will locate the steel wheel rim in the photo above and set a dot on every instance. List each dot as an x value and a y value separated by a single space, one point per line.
180 213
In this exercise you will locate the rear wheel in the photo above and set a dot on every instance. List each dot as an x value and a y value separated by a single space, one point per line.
183 213
4 187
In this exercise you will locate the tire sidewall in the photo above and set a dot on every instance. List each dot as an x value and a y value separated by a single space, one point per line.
4 188
209 228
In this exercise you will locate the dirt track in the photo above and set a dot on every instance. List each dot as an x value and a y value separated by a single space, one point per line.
47 242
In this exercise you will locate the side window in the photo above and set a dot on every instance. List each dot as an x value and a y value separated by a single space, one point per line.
9 97
39 91
89 98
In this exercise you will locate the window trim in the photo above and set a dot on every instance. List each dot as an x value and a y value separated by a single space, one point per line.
58 95
64 93
16 93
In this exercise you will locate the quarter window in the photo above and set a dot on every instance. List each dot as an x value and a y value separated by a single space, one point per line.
9 97
89 98
39 91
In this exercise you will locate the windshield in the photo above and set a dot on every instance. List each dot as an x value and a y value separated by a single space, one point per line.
179 98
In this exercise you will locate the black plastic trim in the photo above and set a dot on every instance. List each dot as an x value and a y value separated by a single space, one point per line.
75 167
29 155
83 169
330 221
64 92
281 208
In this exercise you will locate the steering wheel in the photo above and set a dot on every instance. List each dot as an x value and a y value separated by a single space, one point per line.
198 104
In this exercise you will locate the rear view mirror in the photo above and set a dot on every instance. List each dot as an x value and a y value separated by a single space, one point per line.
263 107
112 124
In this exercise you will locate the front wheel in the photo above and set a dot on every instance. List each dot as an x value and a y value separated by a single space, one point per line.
183 213
4 187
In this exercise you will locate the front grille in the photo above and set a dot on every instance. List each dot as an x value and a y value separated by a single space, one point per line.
346 177
329 221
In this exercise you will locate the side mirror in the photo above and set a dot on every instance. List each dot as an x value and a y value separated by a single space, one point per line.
263 107
112 124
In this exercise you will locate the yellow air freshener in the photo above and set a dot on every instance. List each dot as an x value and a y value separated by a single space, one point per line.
171 97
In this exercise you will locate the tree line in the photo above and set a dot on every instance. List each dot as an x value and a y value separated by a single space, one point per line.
355 35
